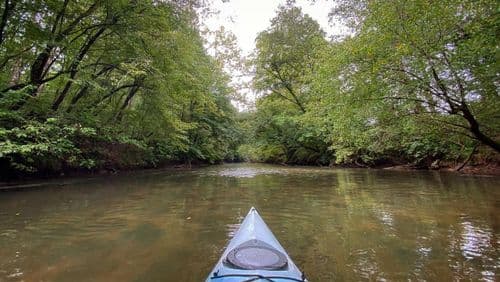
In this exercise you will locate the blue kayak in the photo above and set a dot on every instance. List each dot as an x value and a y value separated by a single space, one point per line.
254 254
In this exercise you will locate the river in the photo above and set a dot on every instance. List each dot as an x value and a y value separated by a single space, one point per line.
336 224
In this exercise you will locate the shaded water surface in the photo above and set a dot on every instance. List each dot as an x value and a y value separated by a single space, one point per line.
172 225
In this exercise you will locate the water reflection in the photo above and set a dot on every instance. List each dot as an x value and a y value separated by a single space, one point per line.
231 229
365 265
475 240
347 225
241 172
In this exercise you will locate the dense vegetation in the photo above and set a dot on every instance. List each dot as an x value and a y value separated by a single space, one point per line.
416 82
93 84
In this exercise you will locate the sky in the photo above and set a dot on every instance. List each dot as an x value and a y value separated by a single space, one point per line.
246 18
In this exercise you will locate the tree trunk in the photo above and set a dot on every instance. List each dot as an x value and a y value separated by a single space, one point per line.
128 99
82 92
38 66
74 66
8 7
85 89
474 129
467 160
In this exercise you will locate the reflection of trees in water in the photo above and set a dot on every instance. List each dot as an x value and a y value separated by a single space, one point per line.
471 250
335 224
398 226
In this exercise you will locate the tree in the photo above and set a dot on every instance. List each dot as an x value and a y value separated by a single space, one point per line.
415 81
436 59
133 74
286 55
285 61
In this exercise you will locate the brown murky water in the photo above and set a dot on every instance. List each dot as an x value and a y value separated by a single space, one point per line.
340 225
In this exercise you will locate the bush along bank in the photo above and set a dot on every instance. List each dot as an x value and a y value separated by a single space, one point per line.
51 148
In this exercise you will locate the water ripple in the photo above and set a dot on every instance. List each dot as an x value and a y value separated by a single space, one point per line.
248 172
475 240
350 224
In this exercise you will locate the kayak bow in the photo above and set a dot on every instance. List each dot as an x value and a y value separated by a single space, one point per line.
254 254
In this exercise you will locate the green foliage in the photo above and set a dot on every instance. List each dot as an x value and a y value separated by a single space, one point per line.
109 84
286 56
43 145
283 129
416 82
118 84
411 63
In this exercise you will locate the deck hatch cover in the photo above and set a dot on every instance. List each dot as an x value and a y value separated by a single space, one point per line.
255 254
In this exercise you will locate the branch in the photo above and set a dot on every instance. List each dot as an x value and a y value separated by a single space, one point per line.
116 90
287 85
455 75
468 158
282 96
74 66
54 76
7 58
14 87
76 21
413 100
429 87
450 123
59 17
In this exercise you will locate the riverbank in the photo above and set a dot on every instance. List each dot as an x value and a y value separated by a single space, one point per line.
33 181
492 169
483 168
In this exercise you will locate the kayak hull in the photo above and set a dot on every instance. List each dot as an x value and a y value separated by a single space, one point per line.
254 229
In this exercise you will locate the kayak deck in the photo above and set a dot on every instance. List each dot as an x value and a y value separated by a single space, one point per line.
254 254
